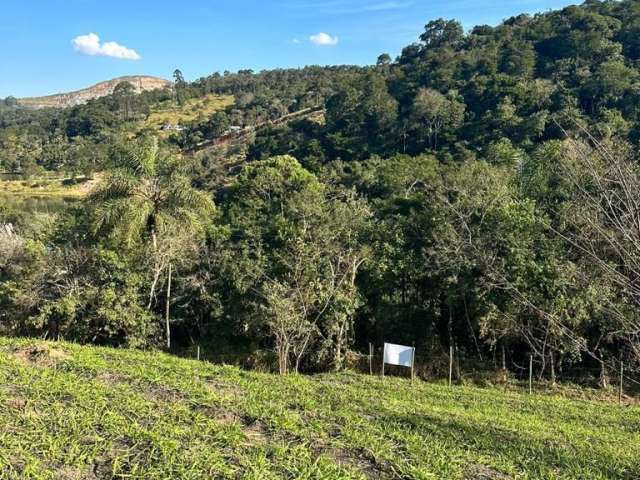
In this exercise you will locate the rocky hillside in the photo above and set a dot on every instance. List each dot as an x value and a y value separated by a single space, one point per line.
70 99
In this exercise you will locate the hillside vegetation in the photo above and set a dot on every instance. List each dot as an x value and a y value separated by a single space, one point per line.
479 194
48 186
72 412
168 113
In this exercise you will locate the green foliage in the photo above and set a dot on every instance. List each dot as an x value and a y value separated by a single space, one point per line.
436 199
305 244
146 194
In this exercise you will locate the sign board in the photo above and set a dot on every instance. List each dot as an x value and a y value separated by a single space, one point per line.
398 355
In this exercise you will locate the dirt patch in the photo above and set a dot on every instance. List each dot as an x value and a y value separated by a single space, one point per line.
40 355
102 469
13 468
112 378
223 388
361 462
160 393
224 417
482 472
12 398
256 432
16 403
126 454
74 473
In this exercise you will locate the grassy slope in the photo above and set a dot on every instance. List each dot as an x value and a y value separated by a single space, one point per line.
47 187
80 412
192 110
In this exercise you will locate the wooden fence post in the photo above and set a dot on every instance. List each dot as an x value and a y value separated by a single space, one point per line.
167 326
450 363
413 361
383 361
530 374
370 358
198 353
621 382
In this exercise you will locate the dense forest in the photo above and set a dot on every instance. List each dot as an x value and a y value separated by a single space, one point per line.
479 191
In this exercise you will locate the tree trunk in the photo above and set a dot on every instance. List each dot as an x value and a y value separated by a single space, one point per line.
156 267
338 356
168 308
604 376
552 367
473 334
283 356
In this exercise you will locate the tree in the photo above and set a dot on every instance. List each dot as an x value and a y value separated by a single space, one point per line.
361 117
384 60
179 86
439 33
533 293
124 94
147 198
602 218
306 250
436 113
518 58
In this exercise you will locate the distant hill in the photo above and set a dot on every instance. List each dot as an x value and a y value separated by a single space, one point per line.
63 100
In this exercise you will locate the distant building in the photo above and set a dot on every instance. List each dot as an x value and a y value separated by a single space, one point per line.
170 127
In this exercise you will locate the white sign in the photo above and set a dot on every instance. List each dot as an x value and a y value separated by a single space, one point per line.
398 355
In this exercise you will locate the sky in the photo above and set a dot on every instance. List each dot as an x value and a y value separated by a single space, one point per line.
50 46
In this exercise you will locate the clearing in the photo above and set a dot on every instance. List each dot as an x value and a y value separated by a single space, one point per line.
76 412
193 109
50 186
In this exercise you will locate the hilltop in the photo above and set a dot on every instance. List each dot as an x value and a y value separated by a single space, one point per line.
141 83
73 412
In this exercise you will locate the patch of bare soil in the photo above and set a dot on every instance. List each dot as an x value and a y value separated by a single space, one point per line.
73 473
112 378
13 467
482 472
361 462
256 432
13 399
16 403
223 388
127 454
40 355
160 393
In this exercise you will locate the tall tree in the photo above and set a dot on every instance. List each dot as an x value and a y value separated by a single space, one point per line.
147 198
179 86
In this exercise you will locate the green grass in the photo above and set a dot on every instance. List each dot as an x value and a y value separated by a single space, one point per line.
48 187
71 412
193 109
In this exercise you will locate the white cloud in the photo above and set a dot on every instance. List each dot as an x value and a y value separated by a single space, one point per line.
90 45
295 40
323 39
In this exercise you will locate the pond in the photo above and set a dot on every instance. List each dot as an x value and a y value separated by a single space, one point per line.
36 204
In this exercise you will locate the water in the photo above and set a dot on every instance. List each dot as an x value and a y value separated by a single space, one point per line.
36 204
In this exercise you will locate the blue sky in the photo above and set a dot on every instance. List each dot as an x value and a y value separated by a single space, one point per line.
39 55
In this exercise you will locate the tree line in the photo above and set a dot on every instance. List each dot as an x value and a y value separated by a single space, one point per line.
479 191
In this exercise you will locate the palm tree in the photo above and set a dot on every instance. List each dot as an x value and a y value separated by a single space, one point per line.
147 196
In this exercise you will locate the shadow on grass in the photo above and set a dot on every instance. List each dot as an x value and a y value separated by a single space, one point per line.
529 455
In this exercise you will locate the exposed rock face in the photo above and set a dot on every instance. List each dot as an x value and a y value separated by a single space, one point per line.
141 83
